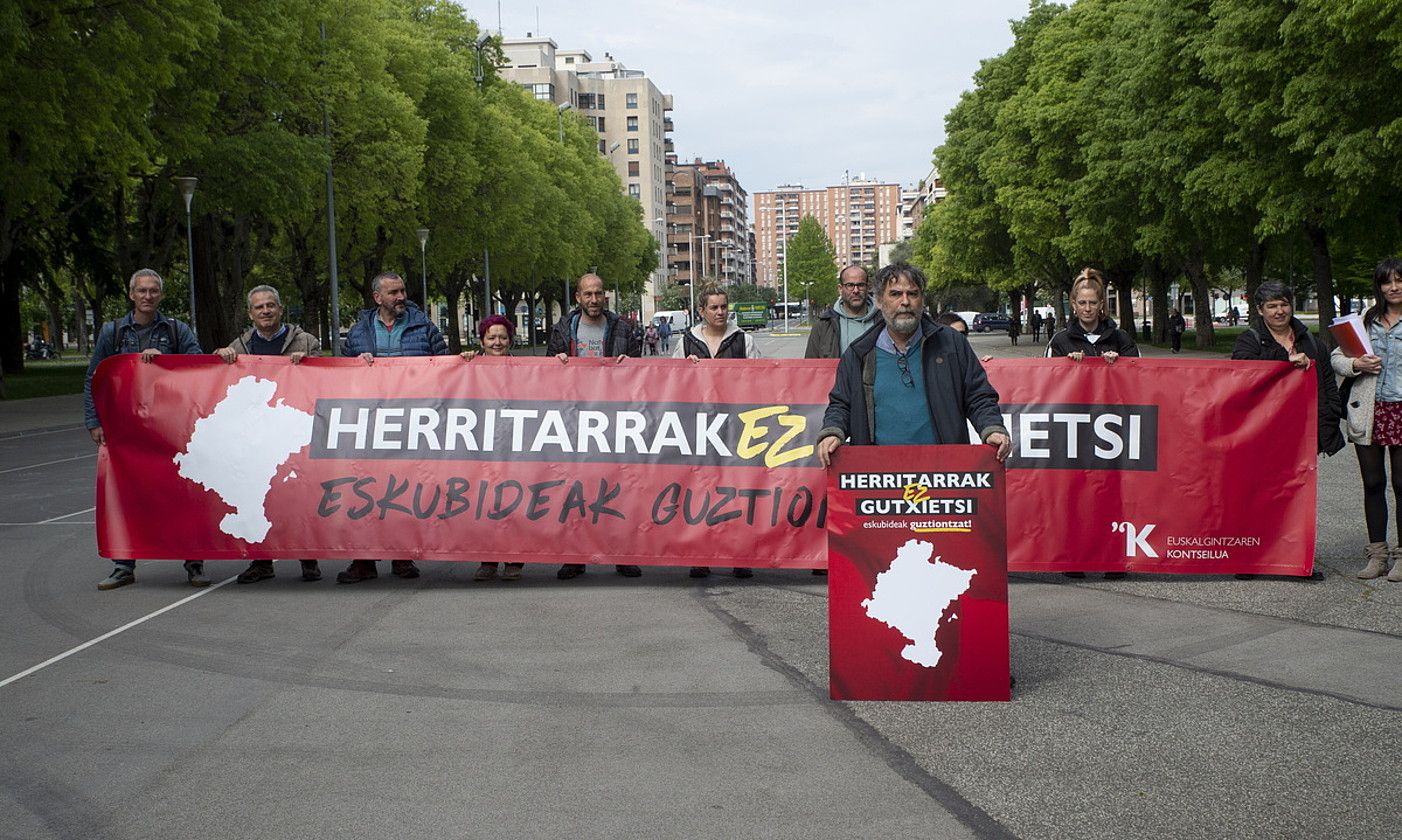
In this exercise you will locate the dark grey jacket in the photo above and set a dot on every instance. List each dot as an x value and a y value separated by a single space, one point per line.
956 388
619 337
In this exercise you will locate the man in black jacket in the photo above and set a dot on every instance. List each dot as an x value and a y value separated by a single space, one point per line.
592 331
908 380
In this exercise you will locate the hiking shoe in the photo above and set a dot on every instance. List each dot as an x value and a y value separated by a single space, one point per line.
570 570
485 571
699 572
310 571
194 572
357 571
628 571
404 568
121 576
513 571
256 571
742 572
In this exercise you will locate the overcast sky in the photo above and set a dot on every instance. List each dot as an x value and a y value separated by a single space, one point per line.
789 92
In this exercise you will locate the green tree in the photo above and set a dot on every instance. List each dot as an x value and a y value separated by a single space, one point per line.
812 264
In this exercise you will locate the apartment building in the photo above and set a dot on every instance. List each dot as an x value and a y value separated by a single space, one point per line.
631 116
708 226
858 216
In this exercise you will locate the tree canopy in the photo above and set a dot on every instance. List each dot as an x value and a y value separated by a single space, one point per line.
1210 140
105 104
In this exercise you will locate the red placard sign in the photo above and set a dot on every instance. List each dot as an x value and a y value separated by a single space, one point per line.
917 574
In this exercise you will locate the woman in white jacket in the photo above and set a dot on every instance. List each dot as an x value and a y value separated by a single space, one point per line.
1373 416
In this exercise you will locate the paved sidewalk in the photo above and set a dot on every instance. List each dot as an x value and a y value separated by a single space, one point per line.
41 413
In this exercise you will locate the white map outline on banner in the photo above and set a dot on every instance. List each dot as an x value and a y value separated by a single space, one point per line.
913 595
237 450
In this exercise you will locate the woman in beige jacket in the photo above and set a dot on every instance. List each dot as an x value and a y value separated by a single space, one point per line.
1373 416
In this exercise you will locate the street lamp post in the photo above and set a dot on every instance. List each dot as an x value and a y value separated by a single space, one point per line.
784 255
423 255
691 260
560 116
187 190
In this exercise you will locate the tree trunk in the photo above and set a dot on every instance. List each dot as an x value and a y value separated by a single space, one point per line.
454 296
1122 278
1255 274
80 324
1157 278
1202 293
1323 279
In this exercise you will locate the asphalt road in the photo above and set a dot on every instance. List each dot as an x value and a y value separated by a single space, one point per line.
1157 706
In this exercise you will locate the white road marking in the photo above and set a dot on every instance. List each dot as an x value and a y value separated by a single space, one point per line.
109 634
55 519
49 463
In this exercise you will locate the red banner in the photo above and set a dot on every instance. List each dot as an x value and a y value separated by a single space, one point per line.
1152 465
1159 465
652 462
917 574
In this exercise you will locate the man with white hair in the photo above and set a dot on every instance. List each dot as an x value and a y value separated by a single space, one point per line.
269 336
146 331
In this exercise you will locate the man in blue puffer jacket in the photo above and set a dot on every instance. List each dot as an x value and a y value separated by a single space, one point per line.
395 327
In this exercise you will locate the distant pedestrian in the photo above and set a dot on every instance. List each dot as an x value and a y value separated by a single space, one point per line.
650 340
1050 325
1176 327
1035 321
1014 327
664 334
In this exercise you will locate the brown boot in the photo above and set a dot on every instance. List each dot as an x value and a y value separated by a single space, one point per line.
1376 554
1396 576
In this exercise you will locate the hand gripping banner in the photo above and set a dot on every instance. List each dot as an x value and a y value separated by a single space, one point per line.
1150 465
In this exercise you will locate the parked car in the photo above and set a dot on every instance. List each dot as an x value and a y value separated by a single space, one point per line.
990 322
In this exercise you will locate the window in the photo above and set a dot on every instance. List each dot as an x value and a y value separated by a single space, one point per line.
586 101
633 169
635 191
632 123
632 145
599 99
631 100
569 59
544 92
599 124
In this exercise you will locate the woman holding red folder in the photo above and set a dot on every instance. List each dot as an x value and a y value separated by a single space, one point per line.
1373 415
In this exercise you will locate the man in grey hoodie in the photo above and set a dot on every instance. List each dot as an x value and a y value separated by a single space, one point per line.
852 315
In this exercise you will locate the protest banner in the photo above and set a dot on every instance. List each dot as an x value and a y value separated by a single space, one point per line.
1146 465
651 462
917 574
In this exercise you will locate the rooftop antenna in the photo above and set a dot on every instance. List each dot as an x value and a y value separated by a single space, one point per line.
499 19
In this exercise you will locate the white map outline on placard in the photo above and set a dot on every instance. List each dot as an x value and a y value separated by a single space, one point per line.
914 595
237 450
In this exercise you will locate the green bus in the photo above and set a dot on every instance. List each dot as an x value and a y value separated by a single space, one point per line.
751 314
